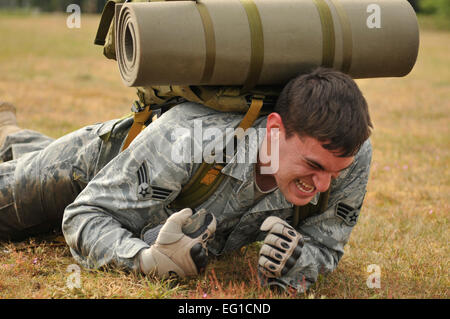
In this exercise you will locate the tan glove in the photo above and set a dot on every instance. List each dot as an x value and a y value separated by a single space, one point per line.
179 252
282 247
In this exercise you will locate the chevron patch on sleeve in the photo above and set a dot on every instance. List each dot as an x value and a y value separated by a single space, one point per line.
347 213
145 191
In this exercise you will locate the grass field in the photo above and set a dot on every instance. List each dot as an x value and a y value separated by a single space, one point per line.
60 81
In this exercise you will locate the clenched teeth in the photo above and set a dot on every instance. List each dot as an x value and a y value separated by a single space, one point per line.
304 187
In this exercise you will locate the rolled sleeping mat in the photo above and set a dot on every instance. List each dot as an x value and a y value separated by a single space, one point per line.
262 42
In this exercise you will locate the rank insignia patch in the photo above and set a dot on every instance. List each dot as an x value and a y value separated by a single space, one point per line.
347 213
145 191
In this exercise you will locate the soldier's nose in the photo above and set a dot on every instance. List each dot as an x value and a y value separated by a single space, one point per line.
322 181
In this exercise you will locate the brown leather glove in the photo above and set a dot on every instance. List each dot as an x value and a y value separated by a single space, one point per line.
179 252
282 247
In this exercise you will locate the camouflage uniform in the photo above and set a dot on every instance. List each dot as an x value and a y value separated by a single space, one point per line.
103 224
40 176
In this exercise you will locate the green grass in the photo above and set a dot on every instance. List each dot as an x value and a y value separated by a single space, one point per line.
60 81
435 22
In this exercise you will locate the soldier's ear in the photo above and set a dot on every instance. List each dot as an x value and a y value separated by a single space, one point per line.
274 126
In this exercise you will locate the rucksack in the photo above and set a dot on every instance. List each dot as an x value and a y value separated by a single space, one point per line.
154 100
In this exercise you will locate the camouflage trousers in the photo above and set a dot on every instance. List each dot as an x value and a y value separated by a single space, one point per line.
40 176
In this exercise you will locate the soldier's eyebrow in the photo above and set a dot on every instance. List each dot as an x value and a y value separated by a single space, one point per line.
314 164
317 165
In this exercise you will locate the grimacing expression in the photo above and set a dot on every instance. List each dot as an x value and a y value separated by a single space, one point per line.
305 166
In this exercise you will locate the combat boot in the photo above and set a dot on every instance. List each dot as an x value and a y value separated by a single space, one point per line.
8 121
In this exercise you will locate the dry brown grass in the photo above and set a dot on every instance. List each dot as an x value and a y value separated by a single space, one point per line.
59 82
57 78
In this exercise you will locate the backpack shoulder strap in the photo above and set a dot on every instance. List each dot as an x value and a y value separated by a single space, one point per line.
208 177
141 116
203 184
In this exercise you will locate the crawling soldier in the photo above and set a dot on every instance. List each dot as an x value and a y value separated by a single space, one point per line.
115 207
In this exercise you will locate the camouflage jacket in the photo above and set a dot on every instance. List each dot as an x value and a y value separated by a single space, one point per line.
103 225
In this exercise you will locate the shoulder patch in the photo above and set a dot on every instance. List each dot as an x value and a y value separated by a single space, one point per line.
145 191
347 213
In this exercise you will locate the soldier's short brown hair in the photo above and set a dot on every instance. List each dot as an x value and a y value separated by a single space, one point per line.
327 105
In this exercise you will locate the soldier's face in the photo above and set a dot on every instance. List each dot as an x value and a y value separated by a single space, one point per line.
305 167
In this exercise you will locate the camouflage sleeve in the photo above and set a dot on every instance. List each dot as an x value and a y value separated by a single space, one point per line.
102 226
326 234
